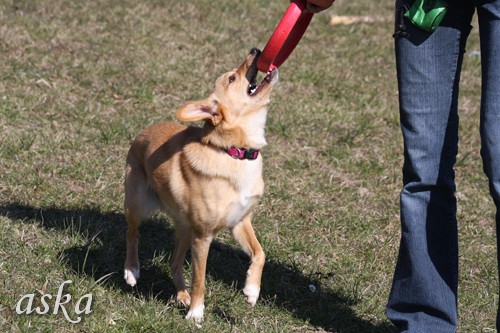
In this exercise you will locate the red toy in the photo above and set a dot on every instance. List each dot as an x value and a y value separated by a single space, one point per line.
286 36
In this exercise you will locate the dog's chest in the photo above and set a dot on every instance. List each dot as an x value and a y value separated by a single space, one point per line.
249 191
226 189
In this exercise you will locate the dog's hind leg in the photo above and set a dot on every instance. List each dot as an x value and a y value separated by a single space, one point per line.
182 244
244 234
140 203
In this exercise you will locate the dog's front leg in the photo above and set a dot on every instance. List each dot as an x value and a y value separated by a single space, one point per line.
200 245
243 233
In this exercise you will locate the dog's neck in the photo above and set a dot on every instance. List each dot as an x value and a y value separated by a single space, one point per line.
246 137
237 149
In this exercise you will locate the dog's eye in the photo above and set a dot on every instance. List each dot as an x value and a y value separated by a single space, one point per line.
232 78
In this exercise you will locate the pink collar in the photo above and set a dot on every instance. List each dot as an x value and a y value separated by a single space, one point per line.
243 154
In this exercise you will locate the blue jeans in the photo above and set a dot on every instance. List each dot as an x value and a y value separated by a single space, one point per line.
423 298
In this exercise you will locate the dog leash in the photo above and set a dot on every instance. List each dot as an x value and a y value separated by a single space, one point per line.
285 37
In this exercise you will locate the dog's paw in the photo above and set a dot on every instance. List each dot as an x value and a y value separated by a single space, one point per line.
252 293
131 276
196 315
183 298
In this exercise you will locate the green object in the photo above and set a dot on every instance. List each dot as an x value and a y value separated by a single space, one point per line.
427 14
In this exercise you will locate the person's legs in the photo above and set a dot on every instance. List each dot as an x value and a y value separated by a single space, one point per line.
424 290
489 29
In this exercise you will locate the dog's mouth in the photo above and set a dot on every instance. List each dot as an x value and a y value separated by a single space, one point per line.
253 88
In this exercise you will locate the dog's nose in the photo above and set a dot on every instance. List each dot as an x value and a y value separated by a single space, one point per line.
255 51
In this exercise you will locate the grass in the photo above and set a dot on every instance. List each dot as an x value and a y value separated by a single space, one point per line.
81 79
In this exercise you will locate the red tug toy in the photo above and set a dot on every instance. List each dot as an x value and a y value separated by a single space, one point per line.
285 38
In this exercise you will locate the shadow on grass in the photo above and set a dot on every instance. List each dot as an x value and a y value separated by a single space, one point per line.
284 285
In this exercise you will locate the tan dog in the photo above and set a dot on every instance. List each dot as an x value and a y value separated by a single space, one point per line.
204 178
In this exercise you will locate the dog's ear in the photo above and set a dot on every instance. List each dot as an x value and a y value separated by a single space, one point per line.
206 109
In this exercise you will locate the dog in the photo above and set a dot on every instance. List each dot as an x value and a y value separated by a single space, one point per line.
205 178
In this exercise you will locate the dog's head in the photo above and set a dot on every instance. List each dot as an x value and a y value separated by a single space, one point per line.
235 112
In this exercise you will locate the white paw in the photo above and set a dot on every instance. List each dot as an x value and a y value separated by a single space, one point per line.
131 276
252 293
196 314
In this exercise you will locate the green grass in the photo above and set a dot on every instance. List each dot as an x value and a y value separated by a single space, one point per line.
79 79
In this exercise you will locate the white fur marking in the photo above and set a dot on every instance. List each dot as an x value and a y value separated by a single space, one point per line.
131 276
248 197
196 314
255 129
252 293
